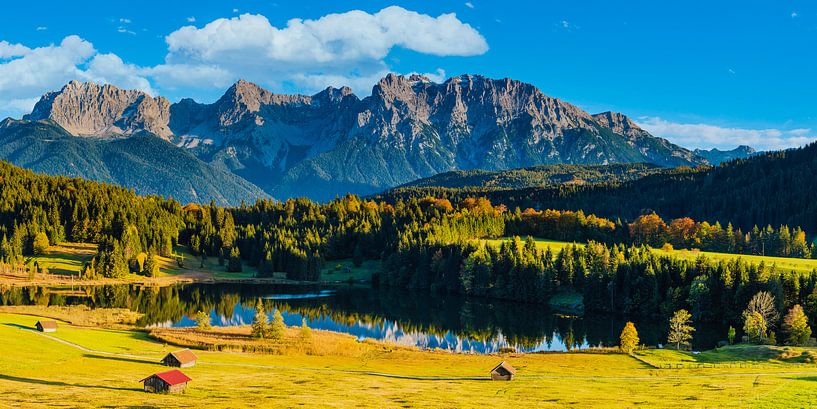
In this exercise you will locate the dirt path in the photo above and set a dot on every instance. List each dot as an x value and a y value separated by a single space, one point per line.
432 378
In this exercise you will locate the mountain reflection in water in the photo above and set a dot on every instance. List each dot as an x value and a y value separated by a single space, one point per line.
406 318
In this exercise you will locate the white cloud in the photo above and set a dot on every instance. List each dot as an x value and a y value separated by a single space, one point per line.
110 69
173 76
191 19
31 72
469 4
8 50
351 45
713 136
794 14
43 68
41 28
125 31
124 20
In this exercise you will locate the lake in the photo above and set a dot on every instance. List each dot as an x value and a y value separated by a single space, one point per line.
447 322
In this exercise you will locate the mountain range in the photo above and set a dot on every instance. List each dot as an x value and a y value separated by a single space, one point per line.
254 143
716 156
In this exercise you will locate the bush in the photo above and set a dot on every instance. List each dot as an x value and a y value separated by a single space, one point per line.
41 244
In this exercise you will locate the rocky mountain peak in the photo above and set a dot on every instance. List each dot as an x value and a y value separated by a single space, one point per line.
618 123
89 109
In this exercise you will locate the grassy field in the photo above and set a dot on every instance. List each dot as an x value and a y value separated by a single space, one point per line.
781 263
193 264
345 270
66 259
39 371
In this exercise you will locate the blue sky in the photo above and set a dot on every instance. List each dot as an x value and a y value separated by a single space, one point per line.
702 74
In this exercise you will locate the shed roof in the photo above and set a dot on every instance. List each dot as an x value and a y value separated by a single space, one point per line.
505 366
173 377
47 324
184 356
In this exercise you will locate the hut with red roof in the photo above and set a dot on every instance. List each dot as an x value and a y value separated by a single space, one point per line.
174 381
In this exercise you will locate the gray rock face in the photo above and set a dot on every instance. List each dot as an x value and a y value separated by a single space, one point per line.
333 142
716 156
656 150
88 109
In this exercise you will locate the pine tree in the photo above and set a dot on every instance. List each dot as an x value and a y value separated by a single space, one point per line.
357 256
305 336
234 263
260 326
40 245
203 320
151 268
277 327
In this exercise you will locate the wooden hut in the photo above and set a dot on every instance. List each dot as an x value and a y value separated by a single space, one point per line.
184 358
166 382
46 326
503 372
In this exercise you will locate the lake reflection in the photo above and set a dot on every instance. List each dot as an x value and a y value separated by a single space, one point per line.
412 319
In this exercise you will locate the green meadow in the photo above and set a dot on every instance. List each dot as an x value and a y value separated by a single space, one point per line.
98 367
781 263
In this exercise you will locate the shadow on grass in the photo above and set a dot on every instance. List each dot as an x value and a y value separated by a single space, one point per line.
120 359
58 383
20 326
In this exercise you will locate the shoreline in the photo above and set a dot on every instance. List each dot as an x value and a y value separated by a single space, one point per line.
196 278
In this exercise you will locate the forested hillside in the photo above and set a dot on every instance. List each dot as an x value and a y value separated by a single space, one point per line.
429 244
142 162
537 176
768 189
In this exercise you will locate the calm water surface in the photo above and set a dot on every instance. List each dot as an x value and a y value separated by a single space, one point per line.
448 322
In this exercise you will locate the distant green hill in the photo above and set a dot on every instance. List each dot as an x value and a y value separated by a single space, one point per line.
143 162
538 176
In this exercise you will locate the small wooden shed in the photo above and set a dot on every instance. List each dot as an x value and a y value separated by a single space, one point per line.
184 358
503 372
46 326
166 382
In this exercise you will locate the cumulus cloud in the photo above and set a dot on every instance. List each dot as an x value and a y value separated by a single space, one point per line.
8 50
712 136
26 73
110 69
191 19
349 46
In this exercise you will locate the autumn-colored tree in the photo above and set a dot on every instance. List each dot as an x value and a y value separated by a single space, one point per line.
649 229
795 326
764 304
754 325
629 338
680 329
680 231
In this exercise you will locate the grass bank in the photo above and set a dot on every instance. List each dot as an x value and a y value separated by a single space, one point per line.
36 370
